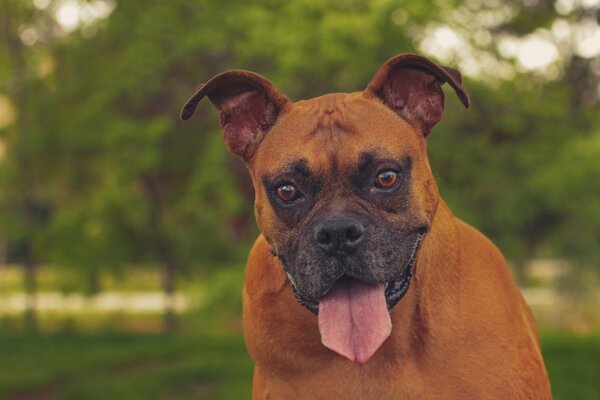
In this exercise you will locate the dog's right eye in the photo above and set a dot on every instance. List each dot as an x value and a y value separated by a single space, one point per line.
287 193
386 179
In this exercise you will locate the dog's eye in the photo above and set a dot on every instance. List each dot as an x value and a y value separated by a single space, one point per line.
287 192
386 179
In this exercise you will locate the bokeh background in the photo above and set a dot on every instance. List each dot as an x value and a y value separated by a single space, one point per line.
123 231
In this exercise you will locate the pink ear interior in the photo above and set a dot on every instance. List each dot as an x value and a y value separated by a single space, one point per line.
249 106
416 96
245 116
411 86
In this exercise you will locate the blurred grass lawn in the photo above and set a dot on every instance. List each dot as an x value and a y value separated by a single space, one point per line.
186 366
89 357
123 366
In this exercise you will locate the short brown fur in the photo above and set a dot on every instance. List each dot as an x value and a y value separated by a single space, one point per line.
462 331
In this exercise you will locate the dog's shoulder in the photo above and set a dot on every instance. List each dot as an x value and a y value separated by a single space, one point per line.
473 243
507 328
485 273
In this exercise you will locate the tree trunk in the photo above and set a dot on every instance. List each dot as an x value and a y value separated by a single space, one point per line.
24 177
168 286
3 251
30 285
93 282
164 250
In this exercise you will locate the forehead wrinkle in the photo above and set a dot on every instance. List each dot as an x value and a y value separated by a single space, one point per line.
329 113
340 118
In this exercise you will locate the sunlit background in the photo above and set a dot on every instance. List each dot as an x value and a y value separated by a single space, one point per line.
123 231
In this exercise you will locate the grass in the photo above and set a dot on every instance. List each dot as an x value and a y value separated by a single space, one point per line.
123 366
186 366
85 356
573 363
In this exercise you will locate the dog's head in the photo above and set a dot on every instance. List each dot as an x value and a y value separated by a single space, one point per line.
344 190
343 183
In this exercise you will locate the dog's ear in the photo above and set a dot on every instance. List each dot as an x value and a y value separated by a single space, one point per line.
249 106
411 86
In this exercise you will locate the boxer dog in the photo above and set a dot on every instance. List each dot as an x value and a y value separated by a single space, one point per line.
362 284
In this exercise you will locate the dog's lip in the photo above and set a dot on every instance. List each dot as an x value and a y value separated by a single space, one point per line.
395 289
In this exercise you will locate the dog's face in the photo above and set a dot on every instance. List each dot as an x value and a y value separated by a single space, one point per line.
336 195
343 184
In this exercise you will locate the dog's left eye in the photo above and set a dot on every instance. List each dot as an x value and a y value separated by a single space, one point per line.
386 179
287 193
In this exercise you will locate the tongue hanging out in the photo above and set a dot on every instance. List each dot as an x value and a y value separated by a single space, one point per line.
354 320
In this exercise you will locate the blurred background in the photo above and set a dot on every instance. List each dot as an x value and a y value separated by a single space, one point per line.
124 231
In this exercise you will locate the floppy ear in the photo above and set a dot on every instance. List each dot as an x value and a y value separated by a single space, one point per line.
411 86
249 106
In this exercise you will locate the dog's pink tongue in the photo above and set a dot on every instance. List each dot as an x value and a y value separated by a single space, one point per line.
354 320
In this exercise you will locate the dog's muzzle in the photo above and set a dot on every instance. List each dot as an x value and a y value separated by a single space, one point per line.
395 289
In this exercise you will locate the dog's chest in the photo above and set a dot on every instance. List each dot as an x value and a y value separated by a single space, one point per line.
354 383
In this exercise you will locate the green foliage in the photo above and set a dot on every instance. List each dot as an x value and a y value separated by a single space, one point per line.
99 172
506 165
222 294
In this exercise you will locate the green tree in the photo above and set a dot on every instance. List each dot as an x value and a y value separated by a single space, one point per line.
99 173
25 208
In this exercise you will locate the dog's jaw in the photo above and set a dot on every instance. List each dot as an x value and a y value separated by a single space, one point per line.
395 289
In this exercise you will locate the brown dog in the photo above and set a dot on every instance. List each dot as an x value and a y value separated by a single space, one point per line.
350 215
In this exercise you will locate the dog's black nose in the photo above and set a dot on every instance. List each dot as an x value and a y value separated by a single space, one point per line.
339 234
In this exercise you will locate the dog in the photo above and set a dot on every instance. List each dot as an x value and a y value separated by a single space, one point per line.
362 284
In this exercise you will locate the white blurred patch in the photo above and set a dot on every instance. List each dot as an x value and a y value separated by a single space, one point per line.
590 3
587 39
108 302
444 42
28 36
73 14
561 30
564 7
536 53
508 47
41 4
67 15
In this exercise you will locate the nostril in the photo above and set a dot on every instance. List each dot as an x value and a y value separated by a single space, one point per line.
354 233
323 237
